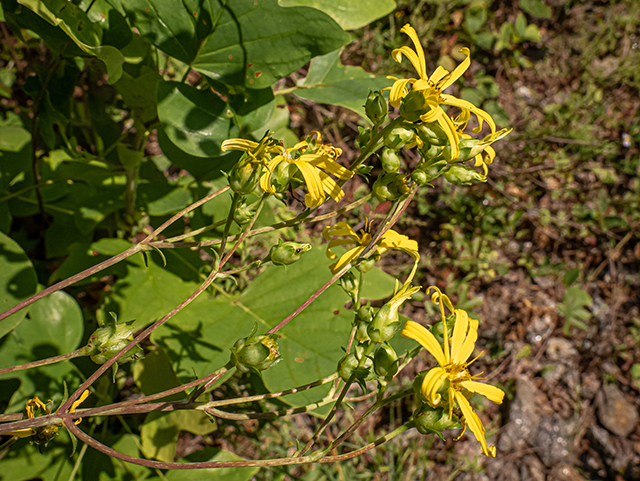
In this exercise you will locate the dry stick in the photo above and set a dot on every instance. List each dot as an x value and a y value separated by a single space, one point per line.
228 464
268 415
183 212
71 280
44 362
212 276
109 262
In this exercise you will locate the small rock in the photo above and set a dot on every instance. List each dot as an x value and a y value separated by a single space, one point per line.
552 441
590 385
601 441
532 469
523 418
540 328
560 349
564 472
616 413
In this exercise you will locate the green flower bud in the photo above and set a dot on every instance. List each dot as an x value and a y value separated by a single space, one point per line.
350 284
244 212
367 264
286 253
459 174
390 160
255 353
398 137
376 107
365 314
430 151
413 106
390 187
432 133
361 332
245 176
432 420
110 339
420 177
417 386
283 175
364 136
385 362
348 366
385 324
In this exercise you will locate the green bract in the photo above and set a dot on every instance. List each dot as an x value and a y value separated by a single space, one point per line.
286 253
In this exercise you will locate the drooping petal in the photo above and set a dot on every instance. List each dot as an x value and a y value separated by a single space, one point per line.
243 145
339 230
265 178
410 54
450 130
475 425
457 72
21 433
322 161
422 64
346 258
492 393
464 104
315 197
419 333
331 187
398 91
432 383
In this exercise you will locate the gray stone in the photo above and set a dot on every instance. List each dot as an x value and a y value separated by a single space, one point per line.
552 440
616 413
523 418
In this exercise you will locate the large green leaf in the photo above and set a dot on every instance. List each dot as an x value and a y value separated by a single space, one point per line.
73 21
24 462
329 82
349 14
55 326
198 339
196 121
243 43
17 281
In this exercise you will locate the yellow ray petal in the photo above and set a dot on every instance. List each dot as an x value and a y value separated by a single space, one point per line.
315 197
346 258
479 113
458 338
243 145
492 393
331 187
419 333
398 91
329 165
432 383
450 130
457 72
475 425
265 178
422 67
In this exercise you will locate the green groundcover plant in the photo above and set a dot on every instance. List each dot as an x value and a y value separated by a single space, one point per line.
155 155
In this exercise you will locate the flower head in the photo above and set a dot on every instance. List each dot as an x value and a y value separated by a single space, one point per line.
342 234
316 162
258 152
453 367
43 434
431 87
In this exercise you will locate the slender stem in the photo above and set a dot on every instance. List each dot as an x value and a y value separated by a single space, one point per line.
374 407
269 415
45 362
212 276
229 464
227 226
71 280
196 231
184 212
303 217
271 395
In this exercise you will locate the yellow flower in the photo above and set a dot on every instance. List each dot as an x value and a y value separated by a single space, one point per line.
257 151
43 434
315 162
454 368
342 234
432 87
484 146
